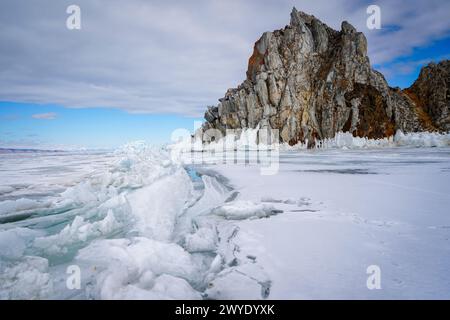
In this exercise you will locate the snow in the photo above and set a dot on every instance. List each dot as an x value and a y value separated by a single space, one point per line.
233 284
344 211
238 210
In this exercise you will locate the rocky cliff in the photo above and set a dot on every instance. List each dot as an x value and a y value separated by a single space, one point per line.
431 95
310 82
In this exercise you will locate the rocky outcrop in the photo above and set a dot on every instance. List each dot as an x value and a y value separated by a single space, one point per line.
431 95
310 82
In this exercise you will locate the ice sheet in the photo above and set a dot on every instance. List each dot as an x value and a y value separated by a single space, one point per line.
142 226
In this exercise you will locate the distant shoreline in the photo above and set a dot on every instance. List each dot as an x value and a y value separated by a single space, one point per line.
19 150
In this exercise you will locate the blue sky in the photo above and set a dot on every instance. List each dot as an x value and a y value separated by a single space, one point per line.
139 69
404 70
54 127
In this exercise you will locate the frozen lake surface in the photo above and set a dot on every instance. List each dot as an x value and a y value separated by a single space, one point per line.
136 225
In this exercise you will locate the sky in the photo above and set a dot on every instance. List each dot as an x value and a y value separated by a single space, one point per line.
139 69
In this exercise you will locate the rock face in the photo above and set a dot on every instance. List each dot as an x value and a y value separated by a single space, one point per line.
431 94
310 82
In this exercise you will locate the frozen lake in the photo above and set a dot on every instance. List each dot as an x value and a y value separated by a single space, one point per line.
136 225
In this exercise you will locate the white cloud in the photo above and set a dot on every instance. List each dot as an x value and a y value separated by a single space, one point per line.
407 67
171 56
44 116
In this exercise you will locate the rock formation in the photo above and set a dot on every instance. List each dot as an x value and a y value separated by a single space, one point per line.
431 95
310 82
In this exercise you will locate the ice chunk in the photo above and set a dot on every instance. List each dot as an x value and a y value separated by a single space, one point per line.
6 189
238 210
204 239
158 205
78 231
130 268
170 287
422 139
166 287
28 279
11 206
413 139
140 165
82 193
342 140
143 253
214 194
345 140
248 139
13 242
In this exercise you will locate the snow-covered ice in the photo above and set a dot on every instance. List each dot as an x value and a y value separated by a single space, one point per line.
344 211
140 225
